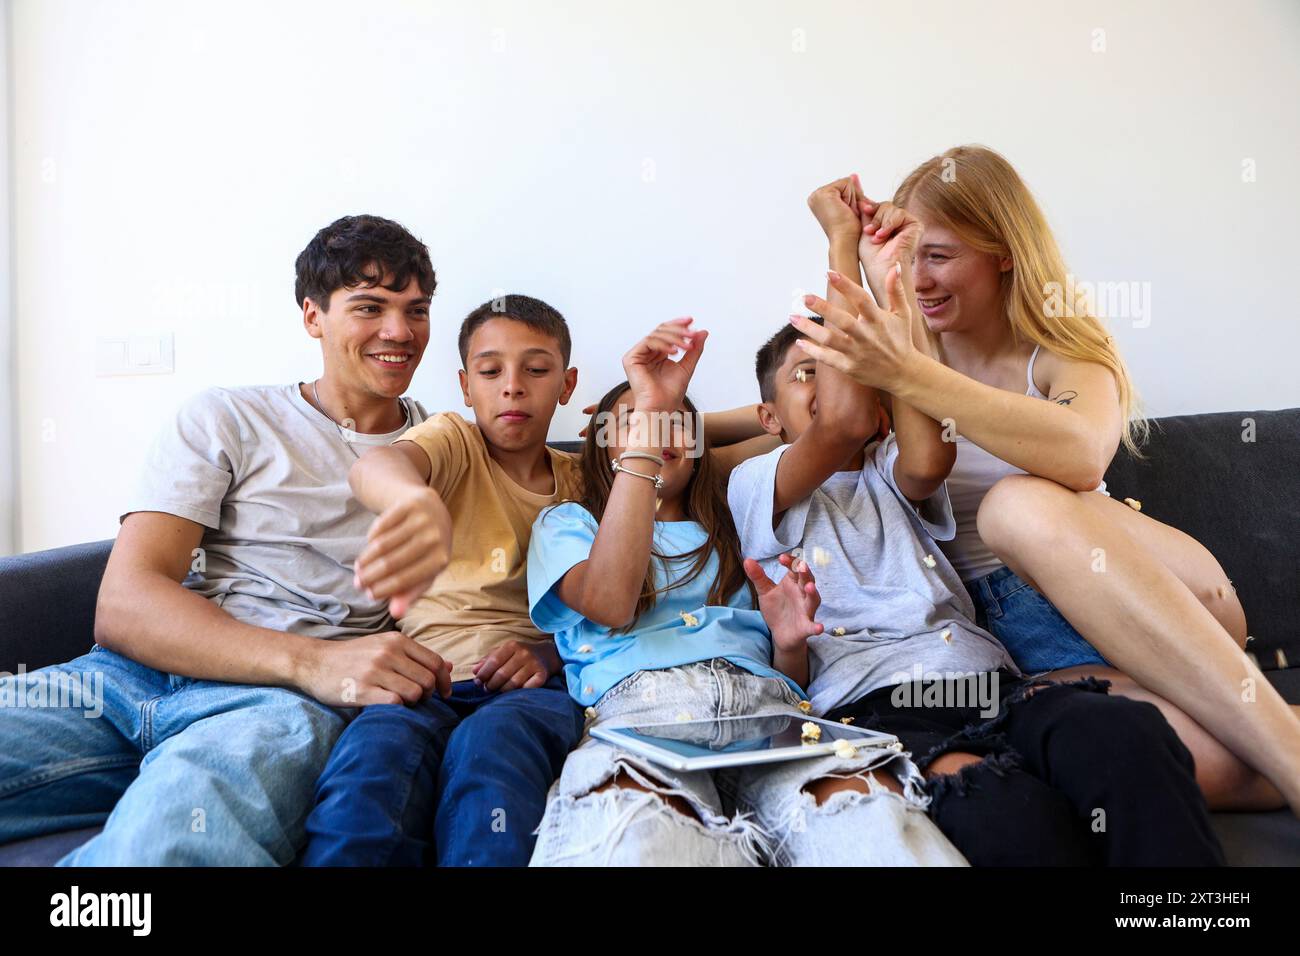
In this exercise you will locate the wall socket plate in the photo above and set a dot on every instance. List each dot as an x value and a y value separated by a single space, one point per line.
134 355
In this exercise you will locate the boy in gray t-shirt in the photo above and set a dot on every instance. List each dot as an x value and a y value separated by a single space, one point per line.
893 607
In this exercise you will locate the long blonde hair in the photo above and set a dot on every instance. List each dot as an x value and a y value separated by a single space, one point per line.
977 194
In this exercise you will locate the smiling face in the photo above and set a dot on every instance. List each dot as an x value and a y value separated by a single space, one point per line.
372 338
678 464
514 377
958 287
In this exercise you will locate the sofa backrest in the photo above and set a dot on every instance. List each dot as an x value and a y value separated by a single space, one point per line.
1232 481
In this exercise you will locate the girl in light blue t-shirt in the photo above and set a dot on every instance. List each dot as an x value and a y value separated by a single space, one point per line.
657 618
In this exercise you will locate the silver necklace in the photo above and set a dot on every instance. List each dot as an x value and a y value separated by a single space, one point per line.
406 413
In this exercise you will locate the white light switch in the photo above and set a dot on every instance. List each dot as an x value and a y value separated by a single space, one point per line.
134 355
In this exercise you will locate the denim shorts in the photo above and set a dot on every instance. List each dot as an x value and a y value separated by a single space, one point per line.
1029 626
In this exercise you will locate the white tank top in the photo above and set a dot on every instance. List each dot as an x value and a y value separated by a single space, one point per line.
973 474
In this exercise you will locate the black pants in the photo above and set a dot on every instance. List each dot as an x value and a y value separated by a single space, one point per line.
1070 776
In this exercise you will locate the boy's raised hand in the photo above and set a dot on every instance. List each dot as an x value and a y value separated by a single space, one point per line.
835 207
659 383
788 607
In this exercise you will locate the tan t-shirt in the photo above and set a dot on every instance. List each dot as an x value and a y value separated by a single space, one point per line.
481 599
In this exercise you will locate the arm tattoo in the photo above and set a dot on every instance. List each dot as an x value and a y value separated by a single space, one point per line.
1065 398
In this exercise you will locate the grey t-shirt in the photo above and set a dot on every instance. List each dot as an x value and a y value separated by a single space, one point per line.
266 474
869 550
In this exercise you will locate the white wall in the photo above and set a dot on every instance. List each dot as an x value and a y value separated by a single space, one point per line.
8 336
627 162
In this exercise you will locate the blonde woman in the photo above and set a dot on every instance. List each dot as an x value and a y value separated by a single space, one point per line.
1038 399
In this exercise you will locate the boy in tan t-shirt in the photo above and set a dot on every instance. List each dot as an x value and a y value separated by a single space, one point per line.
455 768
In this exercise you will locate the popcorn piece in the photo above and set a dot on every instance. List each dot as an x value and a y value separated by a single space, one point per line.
820 557
585 649
1133 503
810 733
690 620
805 706
801 375
590 713
838 631
795 554
846 720
947 637
845 750
928 561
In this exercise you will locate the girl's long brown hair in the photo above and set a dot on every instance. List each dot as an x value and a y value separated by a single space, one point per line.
706 503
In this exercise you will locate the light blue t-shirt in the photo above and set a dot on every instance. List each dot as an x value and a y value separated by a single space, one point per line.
596 660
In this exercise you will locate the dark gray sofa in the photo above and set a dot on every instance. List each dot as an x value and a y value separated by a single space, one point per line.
1241 498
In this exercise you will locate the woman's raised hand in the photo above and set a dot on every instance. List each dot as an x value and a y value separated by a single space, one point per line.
871 345
889 235
659 383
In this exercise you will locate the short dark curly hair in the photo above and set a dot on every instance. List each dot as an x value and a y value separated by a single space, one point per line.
534 313
360 251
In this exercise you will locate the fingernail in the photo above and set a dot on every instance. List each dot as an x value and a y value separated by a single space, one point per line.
898 267
832 275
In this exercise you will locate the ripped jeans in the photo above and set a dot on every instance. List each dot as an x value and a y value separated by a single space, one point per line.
745 816
1068 775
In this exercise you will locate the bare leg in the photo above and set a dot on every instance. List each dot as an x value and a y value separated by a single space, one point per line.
1182 554
1129 605
625 781
823 787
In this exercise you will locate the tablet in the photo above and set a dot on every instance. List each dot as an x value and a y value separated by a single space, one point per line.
736 741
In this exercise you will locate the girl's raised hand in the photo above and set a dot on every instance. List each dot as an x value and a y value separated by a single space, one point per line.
659 383
871 345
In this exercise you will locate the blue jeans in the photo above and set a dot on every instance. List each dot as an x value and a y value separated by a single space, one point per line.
459 782
184 771
1029 626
